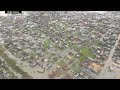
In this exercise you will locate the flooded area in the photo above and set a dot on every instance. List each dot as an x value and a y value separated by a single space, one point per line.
60 44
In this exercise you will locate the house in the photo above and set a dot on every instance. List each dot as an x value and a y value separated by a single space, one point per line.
2 63
90 58
55 73
69 57
118 61
95 67
67 76
65 67
117 77
33 64
81 73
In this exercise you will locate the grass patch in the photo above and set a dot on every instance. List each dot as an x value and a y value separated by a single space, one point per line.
11 75
55 59
94 33
85 51
32 56
46 44
82 58
61 63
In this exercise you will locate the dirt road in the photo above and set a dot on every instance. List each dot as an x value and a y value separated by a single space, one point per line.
108 61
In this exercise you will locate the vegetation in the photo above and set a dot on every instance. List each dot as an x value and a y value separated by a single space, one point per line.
75 47
46 44
85 52
55 59
76 66
61 63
